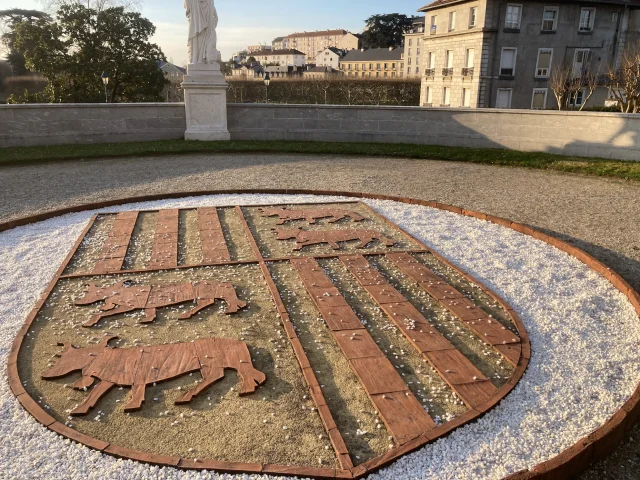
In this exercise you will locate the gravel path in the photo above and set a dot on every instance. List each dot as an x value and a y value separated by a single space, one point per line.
601 216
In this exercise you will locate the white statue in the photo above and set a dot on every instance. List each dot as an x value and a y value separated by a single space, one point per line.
203 21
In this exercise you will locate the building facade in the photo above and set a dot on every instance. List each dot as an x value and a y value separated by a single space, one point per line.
330 57
311 43
498 53
280 43
247 72
280 57
413 54
376 63
258 48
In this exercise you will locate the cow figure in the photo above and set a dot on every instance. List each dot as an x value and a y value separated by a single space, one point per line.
305 238
311 215
123 297
138 367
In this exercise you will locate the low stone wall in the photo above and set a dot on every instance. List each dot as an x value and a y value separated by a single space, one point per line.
50 124
588 134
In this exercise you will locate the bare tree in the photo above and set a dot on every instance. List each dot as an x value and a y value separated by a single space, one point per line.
568 84
559 83
52 6
624 81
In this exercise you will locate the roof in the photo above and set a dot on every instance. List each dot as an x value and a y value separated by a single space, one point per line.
287 51
161 64
443 3
322 33
374 54
279 68
322 70
336 50
278 39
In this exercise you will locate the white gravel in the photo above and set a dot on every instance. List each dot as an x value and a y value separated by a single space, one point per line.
585 337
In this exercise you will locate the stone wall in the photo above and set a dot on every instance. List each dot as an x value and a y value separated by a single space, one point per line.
49 124
589 134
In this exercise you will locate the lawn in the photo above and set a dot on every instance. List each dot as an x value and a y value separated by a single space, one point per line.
511 158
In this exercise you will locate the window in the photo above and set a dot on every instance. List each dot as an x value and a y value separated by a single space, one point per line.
449 59
410 42
432 60
543 67
429 95
409 61
393 66
385 74
550 19
371 66
446 96
577 99
377 74
349 67
466 97
377 66
539 99
417 70
386 66
418 61
508 62
514 13
409 52
473 14
504 98
408 69
469 58
581 60
587 16
417 51
434 24
452 21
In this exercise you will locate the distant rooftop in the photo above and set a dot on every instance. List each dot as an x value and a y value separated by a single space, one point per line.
374 54
286 51
322 33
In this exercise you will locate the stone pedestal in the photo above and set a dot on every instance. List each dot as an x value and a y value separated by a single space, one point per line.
205 99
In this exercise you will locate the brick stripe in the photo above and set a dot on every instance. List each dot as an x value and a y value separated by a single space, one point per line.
214 246
474 318
115 248
454 368
165 242
401 412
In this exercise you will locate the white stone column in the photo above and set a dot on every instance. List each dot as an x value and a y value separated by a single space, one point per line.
205 98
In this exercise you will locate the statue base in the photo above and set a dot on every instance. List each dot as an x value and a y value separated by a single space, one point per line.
205 100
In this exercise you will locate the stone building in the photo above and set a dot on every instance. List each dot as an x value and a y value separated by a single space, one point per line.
280 57
497 53
312 43
413 49
321 73
330 57
381 63
280 43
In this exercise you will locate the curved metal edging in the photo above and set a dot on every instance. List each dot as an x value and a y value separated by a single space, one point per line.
575 459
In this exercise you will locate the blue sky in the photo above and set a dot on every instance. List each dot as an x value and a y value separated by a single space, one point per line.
248 22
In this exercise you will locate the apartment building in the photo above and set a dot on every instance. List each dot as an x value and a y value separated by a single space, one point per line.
498 53
279 43
258 48
312 43
330 57
381 63
413 49
280 57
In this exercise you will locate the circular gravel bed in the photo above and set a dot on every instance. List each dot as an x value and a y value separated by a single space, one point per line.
584 333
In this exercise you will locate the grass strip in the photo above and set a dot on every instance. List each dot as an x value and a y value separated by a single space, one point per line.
627 170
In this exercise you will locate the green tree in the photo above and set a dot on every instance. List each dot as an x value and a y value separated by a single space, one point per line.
8 20
251 60
73 51
387 30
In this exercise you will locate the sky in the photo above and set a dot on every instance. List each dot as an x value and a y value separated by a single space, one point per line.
249 22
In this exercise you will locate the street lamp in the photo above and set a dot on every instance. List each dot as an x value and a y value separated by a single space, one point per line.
267 81
105 81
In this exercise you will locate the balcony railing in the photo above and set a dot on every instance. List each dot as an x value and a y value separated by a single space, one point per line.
447 72
467 72
430 72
